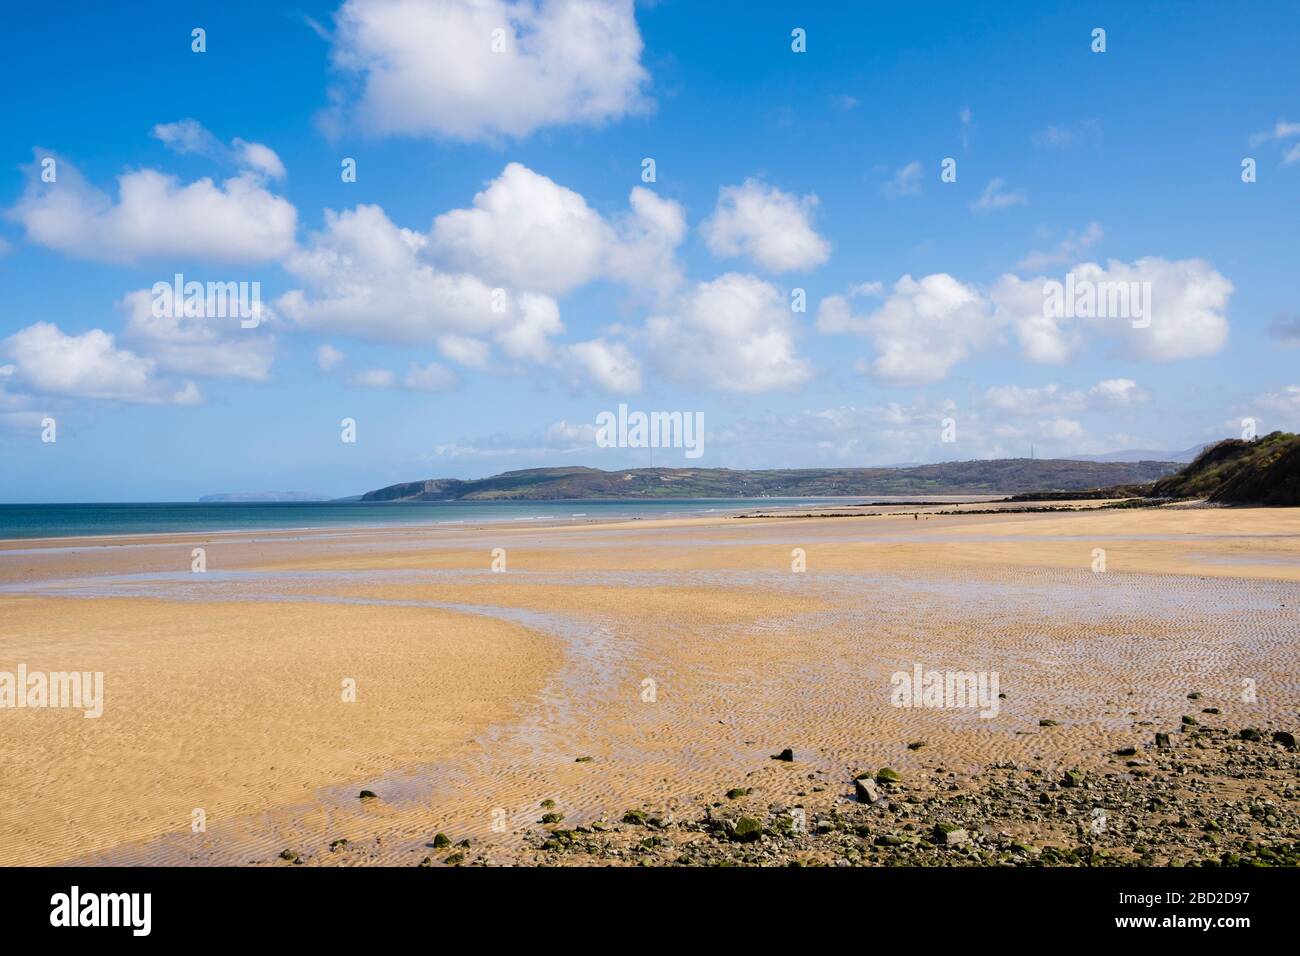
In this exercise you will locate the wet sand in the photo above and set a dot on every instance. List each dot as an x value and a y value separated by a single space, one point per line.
677 655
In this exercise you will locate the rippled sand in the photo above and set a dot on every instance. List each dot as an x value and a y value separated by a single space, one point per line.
677 655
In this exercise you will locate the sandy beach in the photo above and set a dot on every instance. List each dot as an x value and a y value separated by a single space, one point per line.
603 668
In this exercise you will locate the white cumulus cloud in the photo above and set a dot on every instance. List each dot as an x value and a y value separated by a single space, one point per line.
155 216
608 365
733 334
90 365
1188 311
922 329
772 228
527 231
441 68
365 277
205 346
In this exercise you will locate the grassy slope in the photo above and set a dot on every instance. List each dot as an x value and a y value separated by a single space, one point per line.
1264 471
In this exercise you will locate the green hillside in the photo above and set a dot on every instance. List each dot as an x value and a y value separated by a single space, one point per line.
998 477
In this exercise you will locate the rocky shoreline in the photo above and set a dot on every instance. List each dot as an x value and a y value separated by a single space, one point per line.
1196 796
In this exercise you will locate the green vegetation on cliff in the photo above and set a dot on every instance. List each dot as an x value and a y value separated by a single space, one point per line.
1265 472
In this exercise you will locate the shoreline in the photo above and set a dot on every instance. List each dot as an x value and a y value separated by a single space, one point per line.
362 526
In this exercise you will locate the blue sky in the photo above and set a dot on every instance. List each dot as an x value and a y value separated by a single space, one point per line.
521 170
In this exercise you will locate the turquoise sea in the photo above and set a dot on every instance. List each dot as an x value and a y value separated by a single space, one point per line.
67 520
